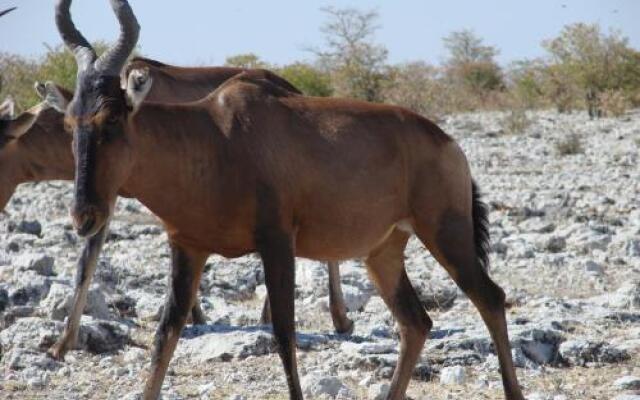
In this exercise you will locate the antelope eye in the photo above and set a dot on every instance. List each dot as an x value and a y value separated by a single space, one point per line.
113 119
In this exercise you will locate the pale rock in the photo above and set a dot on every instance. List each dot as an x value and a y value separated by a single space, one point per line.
453 375
316 384
593 268
378 391
627 383
580 352
355 298
40 263
59 301
627 397
226 346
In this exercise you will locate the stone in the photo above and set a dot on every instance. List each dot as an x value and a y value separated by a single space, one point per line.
627 383
41 263
628 295
206 388
30 333
59 301
632 248
4 299
19 359
355 298
28 288
580 352
452 375
555 244
35 378
226 345
436 296
593 268
99 336
538 396
627 397
378 391
539 352
29 227
148 306
539 344
135 355
315 385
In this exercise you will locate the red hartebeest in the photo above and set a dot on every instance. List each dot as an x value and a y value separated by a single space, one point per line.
255 168
34 147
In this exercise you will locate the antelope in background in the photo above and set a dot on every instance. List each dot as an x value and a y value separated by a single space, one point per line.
34 147
256 168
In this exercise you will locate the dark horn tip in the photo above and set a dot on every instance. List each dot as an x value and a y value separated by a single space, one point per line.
7 11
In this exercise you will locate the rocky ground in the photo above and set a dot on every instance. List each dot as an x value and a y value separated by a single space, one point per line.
566 249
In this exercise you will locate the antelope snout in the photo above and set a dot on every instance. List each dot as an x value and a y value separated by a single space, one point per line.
87 220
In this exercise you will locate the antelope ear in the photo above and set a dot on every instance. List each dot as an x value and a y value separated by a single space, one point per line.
138 85
40 89
51 96
8 109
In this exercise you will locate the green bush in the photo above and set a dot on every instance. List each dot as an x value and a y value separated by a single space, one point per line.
18 73
586 62
310 80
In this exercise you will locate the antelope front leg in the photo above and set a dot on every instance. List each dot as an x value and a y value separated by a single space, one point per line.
197 315
341 322
84 274
186 270
276 250
265 316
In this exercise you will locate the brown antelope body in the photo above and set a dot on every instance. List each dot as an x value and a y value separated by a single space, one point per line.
185 84
255 168
34 147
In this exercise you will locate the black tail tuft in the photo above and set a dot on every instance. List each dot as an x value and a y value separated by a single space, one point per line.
480 227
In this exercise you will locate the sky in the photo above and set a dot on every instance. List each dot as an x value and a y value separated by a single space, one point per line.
196 32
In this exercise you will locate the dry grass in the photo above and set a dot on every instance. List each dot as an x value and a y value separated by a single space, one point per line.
515 122
613 103
570 145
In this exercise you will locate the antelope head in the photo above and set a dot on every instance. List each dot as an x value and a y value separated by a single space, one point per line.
97 117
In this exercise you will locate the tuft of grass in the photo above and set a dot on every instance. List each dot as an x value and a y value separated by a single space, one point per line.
516 122
570 145
613 103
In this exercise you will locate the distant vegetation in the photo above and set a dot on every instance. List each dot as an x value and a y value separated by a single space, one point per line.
584 69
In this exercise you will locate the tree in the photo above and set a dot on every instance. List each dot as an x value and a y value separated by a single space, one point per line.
356 64
466 48
417 86
20 73
471 64
526 80
594 62
247 60
310 80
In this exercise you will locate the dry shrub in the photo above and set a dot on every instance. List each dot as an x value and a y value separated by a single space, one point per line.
613 103
416 86
515 122
570 145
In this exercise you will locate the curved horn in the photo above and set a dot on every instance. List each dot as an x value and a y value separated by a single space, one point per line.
112 61
7 11
81 49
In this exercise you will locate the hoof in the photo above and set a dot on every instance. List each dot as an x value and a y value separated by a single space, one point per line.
198 320
57 351
345 328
